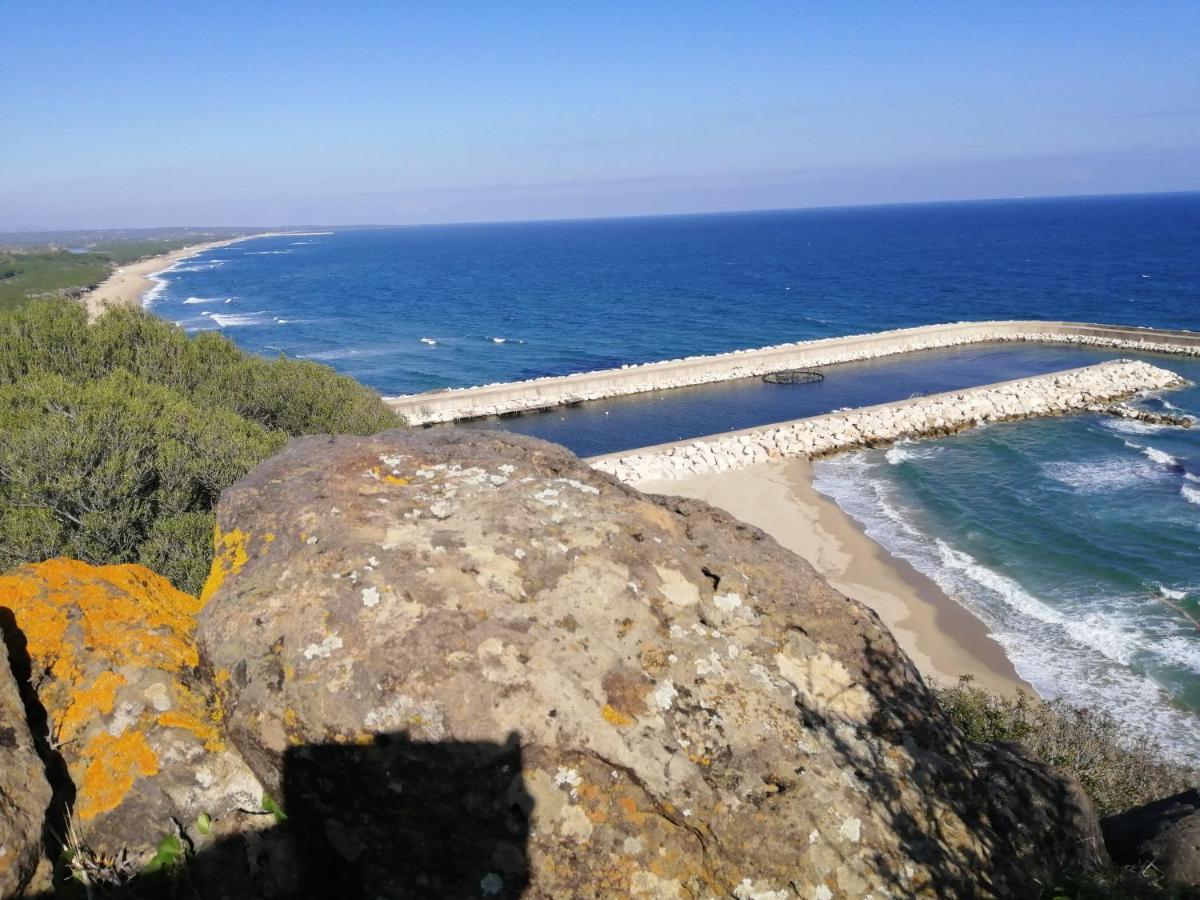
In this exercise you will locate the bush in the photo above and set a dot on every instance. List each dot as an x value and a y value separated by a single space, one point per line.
1117 770
117 438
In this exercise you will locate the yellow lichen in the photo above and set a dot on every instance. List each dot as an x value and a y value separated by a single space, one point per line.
614 716
111 766
230 556
193 712
393 479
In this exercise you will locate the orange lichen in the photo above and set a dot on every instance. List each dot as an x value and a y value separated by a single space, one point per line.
614 716
86 703
111 766
195 713
230 556
119 615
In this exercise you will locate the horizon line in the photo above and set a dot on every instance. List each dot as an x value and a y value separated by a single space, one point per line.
613 218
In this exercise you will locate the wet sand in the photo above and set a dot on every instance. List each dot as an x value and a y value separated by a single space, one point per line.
943 639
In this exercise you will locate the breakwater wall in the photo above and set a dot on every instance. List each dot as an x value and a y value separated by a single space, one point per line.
544 393
1089 388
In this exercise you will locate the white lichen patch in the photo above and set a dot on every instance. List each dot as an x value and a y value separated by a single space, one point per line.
851 830
404 712
727 602
519 553
324 649
392 459
547 497
567 779
491 883
370 596
440 509
822 892
750 890
507 469
665 694
578 485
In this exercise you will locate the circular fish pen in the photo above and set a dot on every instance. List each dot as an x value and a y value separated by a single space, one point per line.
793 376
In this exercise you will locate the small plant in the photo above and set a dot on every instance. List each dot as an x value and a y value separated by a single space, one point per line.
1117 770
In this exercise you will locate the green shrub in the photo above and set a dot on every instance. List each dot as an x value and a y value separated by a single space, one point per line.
1117 770
117 438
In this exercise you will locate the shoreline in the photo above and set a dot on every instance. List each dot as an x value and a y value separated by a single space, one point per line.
942 637
127 285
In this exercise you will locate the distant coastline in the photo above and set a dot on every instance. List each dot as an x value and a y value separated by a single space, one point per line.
127 285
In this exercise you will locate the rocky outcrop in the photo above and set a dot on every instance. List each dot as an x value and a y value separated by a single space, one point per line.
469 665
1091 388
114 665
1165 834
1049 821
543 393
24 791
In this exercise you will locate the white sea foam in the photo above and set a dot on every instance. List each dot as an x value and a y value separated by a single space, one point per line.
430 341
1101 475
191 300
1132 426
1163 459
230 320
1170 594
904 451
1082 655
1190 494
268 252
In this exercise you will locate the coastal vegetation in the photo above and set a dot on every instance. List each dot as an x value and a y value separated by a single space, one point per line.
29 272
116 438
1116 771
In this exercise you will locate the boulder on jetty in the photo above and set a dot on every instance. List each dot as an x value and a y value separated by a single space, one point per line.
24 791
470 665
113 663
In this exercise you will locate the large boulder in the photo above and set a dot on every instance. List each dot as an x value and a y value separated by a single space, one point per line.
1044 814
114 665
24 790
470 665
1165 834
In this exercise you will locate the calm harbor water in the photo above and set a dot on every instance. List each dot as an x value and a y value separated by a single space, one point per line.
1076 540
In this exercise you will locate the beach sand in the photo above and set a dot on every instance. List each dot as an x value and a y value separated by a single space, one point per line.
128 284
941 637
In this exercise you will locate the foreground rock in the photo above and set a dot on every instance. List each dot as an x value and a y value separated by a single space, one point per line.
470 665
114 664
24 791
1165 833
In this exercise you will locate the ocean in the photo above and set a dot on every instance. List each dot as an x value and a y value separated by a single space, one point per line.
1076 540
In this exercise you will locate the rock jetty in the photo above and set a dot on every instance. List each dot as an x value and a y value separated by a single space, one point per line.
1090 388
542 393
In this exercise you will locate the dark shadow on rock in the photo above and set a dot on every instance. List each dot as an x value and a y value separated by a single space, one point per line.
389 818
63 798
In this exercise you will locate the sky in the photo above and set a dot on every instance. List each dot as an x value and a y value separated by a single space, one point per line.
121 114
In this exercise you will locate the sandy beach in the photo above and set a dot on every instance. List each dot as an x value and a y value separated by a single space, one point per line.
941 637
128 284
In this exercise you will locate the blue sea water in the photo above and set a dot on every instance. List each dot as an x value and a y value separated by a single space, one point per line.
1076 540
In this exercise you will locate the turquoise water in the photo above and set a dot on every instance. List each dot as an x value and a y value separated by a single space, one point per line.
1077 540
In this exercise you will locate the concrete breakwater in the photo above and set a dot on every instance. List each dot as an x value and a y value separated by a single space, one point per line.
543 393
1088 388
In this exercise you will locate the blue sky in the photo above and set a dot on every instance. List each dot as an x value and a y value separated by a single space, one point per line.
130 114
